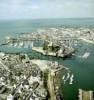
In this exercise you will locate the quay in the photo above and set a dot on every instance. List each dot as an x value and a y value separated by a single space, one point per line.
51 87
85 95
52 84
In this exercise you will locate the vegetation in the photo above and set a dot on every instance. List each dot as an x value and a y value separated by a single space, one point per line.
55 48
45 46
52 48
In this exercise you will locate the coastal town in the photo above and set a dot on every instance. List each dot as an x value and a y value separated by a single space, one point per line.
25 79
22 78
60 42
59 36
46 49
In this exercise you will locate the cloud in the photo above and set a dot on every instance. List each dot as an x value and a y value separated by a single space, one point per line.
45 8
35 7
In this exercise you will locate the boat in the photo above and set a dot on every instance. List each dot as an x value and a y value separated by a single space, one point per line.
71 79
15 44
25 45
21 44
10 44
68 75
64 81
63 77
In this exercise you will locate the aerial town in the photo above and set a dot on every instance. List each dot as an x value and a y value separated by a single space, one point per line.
60 42
56 36
22 78
25 79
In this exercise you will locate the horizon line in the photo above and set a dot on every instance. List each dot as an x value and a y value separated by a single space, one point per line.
48 18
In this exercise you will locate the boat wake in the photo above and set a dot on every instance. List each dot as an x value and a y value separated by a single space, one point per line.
85 55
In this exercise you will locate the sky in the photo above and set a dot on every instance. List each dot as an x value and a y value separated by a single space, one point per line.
36 9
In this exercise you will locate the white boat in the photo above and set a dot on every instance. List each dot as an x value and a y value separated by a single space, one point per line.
11 44
18 45
68 75
25 45
63 77
21 44
28 43
64 81
71 79
15 44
